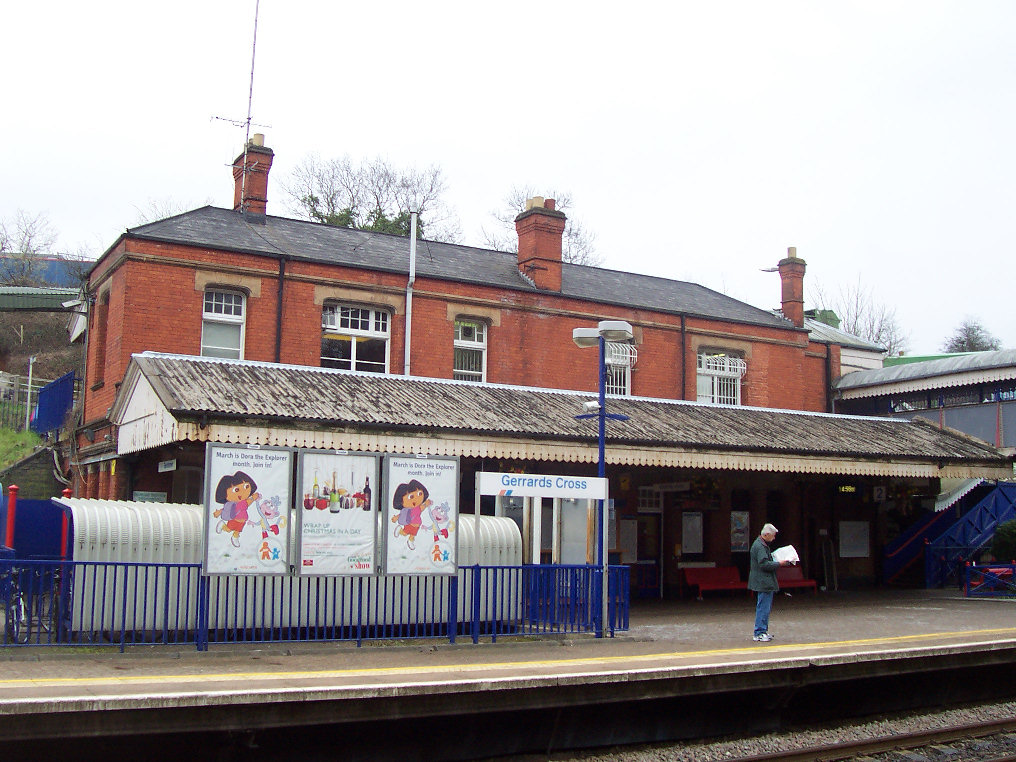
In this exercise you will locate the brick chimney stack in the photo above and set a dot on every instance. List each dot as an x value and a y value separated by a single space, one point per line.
251 187
541 232
792 279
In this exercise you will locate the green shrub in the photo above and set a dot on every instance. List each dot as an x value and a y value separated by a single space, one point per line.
15 445
1003 544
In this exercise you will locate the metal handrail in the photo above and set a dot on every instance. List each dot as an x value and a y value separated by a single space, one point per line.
130 603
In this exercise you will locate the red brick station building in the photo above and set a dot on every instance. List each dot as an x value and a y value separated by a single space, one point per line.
232 325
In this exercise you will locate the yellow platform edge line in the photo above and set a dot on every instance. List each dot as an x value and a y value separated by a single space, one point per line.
473 666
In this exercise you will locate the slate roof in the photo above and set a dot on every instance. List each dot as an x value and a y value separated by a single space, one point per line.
260 393
216 228
1001 364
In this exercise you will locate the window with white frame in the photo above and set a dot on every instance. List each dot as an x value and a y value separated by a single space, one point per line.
620 359
470 362
354 338
222 323
719 377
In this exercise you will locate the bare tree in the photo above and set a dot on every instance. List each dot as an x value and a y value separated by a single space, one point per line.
371 195
971 336
24 241
577 246
861 314
78 264
159 209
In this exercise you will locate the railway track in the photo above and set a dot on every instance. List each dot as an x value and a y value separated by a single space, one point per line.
938 738
948 734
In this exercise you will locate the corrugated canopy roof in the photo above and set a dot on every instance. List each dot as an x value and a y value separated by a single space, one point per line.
36 299
932 374
272 397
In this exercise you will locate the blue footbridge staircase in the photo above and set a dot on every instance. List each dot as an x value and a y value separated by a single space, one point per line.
948 553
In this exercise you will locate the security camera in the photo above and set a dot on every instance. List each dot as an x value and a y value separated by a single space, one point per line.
591 407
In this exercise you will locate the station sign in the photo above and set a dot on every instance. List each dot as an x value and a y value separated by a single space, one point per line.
542 485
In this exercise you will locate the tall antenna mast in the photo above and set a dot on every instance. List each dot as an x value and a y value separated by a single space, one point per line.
250 101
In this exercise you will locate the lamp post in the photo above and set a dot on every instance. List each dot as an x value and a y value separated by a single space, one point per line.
607 330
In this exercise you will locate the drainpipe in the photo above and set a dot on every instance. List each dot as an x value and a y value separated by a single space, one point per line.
684 361
409 293
830 399
278 308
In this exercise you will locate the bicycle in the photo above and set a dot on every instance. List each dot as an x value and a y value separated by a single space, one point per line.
30 612
13 612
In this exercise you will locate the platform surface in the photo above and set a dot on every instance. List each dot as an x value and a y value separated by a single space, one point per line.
667 641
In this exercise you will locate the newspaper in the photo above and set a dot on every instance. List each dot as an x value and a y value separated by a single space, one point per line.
786 553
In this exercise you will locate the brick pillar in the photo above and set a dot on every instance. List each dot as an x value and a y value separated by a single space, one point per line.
118 483
103 492
91 482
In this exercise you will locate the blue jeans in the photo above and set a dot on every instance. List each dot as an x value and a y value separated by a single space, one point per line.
763 605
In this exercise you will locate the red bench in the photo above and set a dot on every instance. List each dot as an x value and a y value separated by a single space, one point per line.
792 576
714 578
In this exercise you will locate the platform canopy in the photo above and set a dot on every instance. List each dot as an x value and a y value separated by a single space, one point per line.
172 398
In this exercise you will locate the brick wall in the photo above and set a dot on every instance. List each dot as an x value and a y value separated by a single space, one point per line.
34 477
155 303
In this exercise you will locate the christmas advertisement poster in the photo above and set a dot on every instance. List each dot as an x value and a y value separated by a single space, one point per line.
246 517
338 513
421 514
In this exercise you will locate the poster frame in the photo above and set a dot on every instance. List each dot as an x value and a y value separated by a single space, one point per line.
285 502
298 564
855 539
740 532
386 514
692 528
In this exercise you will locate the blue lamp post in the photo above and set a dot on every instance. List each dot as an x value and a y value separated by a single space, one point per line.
616 331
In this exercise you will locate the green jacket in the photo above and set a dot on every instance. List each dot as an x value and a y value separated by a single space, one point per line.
762 575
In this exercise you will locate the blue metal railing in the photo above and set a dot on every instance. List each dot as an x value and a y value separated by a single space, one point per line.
990 581
946 556
70 603
906 551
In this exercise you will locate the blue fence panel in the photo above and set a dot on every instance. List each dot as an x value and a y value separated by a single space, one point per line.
55 399
990 581
37 527
47 602
619 581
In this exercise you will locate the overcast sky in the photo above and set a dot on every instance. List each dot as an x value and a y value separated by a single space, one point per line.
698 139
